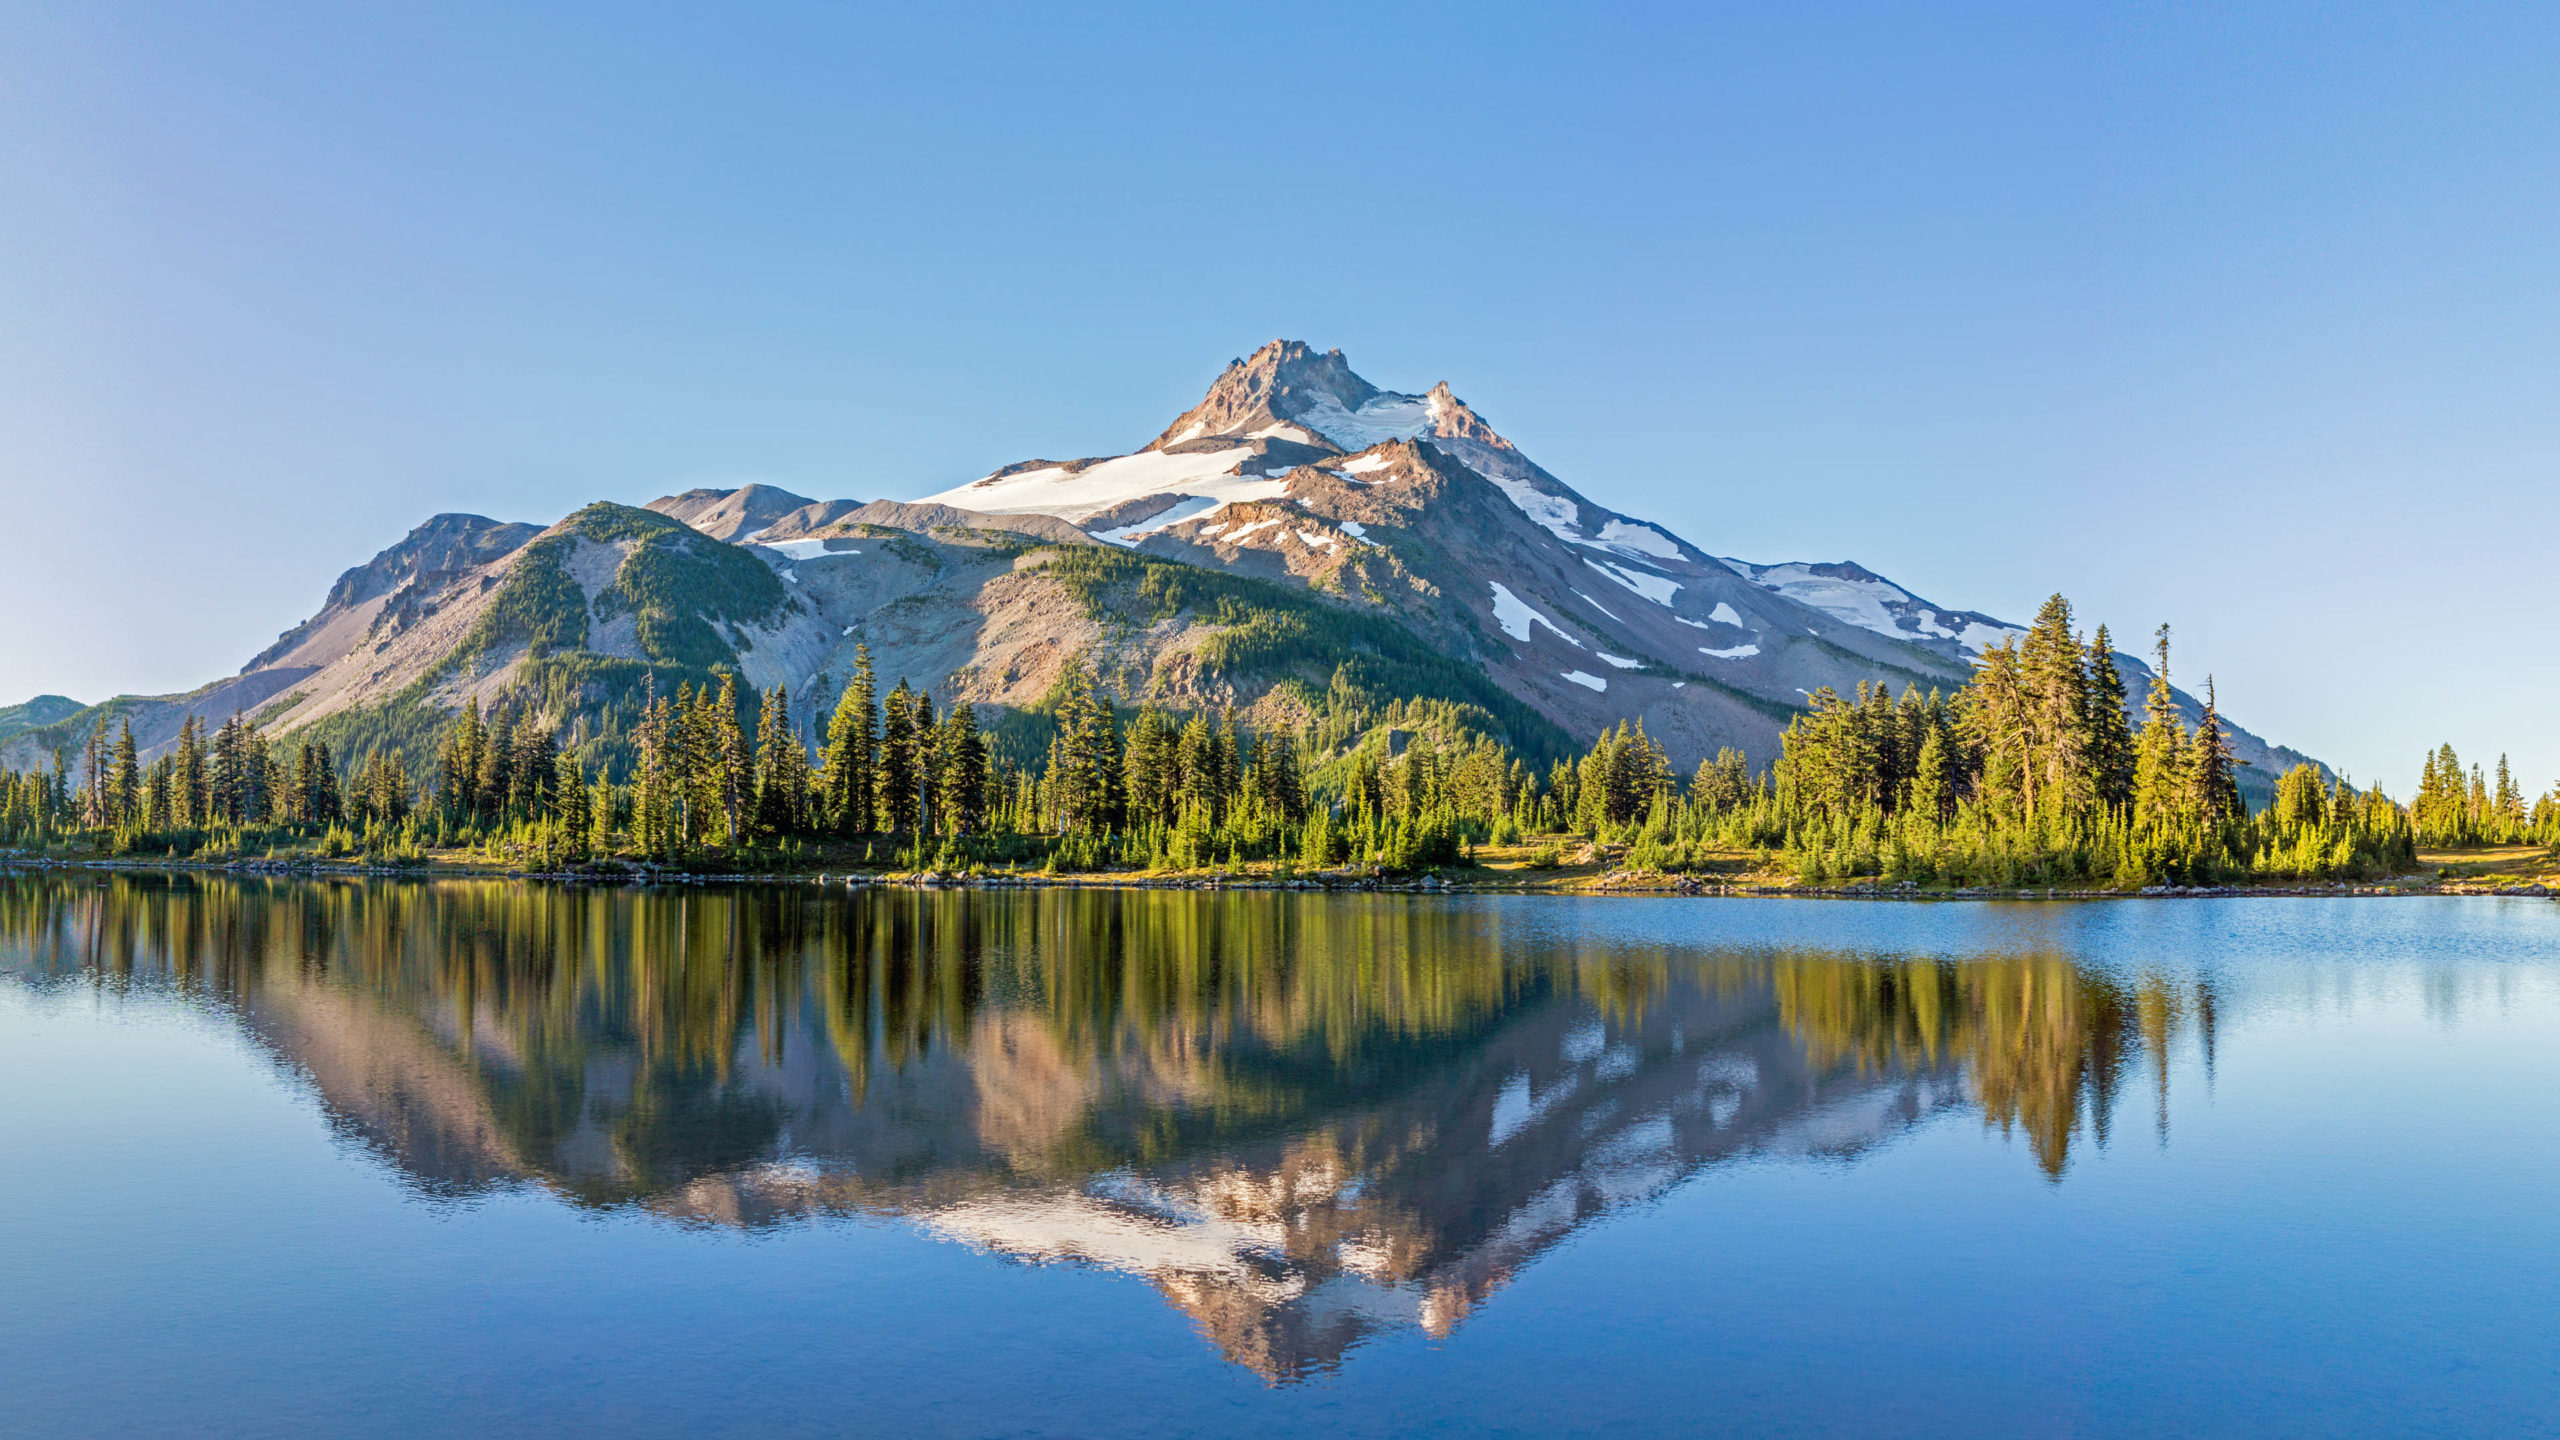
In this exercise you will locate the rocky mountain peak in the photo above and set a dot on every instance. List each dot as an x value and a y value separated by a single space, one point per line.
432 555
1278 383
1453 419
730 514
445 545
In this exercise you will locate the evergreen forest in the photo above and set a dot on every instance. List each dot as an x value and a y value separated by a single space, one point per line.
2037 771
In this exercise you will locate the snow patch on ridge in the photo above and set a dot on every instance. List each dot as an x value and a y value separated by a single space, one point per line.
1870 602
1643 539
797 550
1596 605
1860 602
1620 661
1516 617
1656 588
1738 652
1587 682
1725 614
1174 514
1554 512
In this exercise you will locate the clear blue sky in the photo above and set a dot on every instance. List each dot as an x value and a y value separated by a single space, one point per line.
2236 317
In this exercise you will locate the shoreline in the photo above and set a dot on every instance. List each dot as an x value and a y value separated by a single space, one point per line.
1626 883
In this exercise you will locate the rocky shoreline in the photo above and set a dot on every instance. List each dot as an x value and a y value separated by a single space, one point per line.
1624 882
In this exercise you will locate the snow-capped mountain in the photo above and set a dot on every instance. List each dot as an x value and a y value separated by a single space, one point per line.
1293 467
1391 540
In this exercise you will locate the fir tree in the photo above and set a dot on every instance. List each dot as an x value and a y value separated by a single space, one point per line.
926 765
1932 793
853 735
94 783
963 771
2111 747
189 806
898 760
781 767
124 780
2212 787
2160 762
2055 728
735 766
569 787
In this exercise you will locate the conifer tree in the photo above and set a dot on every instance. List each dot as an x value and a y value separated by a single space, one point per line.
329 793
2212 788
569 787
225 772
458 764
1150 768
926 766
734 766
1998 720
963 771
853 734
187 787
2111 748
2301 799
781 767
124 785
1932 793
2160 762
1084 759
2507 805
898 760
94 783
2054 729
600 802
1723 783
533 767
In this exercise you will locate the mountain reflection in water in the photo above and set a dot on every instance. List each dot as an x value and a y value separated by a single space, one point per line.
1303 1118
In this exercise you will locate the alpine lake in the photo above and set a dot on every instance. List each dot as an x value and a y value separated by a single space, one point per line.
295 1156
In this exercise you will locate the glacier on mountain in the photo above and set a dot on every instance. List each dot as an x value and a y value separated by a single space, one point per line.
1383 418
1072 493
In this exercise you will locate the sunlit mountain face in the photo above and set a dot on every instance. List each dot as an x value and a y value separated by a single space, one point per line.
1304 1119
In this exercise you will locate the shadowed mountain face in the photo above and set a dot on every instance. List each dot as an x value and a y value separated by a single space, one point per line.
1303 1119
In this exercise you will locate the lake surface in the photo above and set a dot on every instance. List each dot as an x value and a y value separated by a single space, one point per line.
469 1158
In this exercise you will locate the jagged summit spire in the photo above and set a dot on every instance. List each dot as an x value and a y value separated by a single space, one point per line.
1273 386
1290 391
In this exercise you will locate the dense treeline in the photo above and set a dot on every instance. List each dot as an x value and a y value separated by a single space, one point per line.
2452 811
223 787
2031 773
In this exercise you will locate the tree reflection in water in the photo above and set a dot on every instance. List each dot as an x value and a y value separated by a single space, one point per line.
1302 1117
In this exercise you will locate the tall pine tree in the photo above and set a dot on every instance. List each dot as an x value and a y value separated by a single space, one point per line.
848 763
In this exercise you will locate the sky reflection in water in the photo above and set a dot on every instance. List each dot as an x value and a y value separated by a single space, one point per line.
1401 1163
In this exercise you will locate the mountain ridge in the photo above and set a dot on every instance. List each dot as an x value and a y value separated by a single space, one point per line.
1291 472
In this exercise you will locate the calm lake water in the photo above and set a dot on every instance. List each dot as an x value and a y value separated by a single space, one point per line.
292 1158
